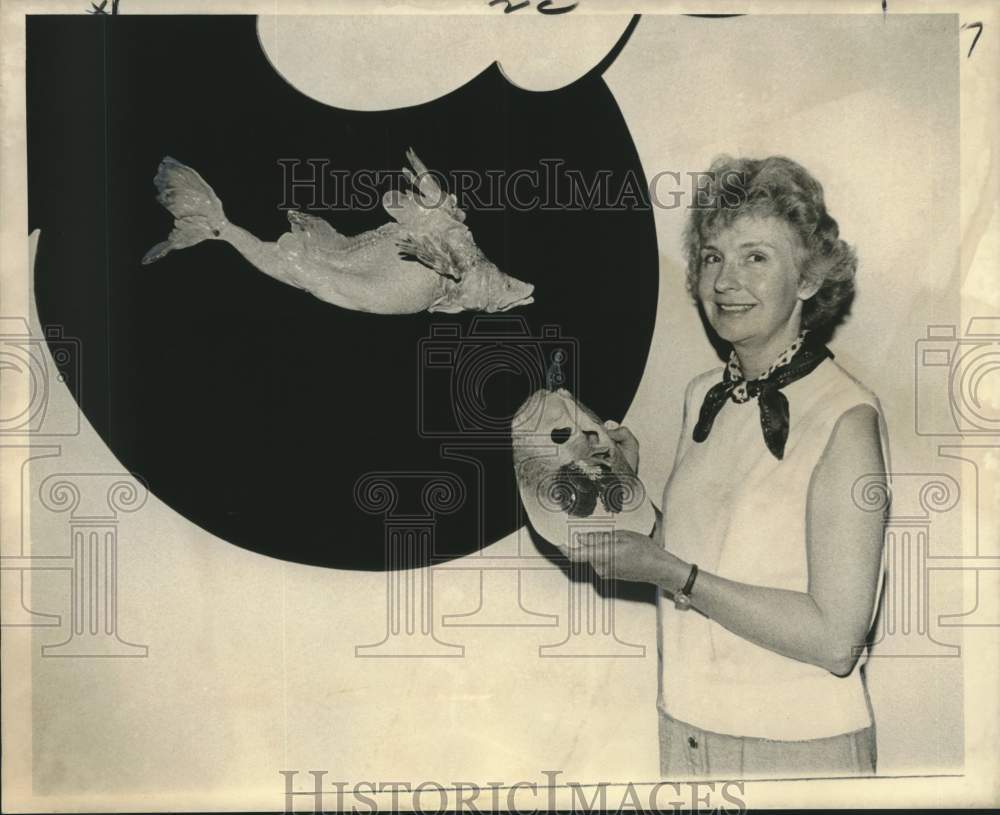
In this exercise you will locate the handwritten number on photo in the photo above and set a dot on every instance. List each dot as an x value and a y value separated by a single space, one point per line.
979 32
544 7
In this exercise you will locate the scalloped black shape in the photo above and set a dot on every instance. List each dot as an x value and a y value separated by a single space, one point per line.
252 408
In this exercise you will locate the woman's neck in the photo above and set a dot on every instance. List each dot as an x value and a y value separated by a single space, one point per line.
756 359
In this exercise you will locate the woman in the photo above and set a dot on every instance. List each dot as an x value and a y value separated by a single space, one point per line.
773 570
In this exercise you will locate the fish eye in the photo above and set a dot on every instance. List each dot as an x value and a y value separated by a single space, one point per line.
561 435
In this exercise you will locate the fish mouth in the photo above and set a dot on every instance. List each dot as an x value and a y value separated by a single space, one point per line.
524 301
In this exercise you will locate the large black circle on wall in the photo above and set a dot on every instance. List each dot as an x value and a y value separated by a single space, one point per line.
275 421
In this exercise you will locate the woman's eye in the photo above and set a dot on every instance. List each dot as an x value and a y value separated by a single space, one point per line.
708 259
756 257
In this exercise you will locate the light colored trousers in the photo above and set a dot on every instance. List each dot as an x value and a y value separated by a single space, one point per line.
690 752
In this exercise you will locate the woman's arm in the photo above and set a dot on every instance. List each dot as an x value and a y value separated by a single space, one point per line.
827 624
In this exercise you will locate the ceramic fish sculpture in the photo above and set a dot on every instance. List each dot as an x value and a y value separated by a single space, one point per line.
425 259
571 475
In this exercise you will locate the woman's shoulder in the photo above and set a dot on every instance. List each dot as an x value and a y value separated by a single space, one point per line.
706 379
841 387
698 386
836 397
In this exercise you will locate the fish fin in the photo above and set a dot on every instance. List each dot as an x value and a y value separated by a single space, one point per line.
426 203
197 210
422 180
402 206
316 232
433 254
445 307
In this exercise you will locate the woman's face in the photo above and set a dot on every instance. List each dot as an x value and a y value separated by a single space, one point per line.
749 283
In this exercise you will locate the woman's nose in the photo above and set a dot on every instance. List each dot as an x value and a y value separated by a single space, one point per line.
727 279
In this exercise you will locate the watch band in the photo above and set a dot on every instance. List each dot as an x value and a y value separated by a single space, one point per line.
682 599
691 578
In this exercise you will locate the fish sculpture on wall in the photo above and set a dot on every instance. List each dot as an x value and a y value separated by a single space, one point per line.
425 259
572 476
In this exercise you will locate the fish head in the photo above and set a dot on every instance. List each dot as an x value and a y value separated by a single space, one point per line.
500 291
574 432
481 285
566 462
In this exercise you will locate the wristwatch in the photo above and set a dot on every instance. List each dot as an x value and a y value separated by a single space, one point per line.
682 599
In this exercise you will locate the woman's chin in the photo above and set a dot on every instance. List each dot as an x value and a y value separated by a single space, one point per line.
733 334
738 327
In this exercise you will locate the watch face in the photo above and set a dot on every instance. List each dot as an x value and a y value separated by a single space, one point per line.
682 602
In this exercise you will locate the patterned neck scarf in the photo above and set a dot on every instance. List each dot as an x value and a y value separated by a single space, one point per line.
793 363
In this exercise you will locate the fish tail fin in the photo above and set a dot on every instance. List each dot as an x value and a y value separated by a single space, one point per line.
197 210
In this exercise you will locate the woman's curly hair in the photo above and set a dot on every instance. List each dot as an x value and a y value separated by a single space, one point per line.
777 186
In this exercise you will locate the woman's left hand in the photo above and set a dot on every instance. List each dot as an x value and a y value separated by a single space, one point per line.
627 556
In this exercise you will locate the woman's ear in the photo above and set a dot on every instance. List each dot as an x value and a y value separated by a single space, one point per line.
808 285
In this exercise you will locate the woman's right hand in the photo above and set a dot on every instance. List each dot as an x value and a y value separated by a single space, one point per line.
628 442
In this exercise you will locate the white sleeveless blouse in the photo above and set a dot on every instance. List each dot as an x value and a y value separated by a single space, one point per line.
738 512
